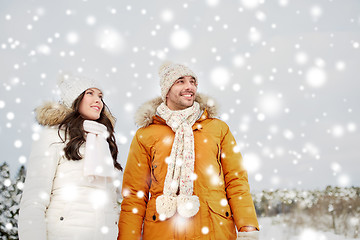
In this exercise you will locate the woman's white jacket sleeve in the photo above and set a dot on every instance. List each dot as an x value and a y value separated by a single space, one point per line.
41 169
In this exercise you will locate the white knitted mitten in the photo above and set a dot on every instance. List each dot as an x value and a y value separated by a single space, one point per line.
254 235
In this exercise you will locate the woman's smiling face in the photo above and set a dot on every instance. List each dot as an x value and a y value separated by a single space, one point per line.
91 105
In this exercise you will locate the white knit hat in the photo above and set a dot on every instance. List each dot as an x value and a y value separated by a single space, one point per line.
170 72
72 86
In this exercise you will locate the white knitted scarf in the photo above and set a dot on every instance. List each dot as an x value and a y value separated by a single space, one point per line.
180 172
98 160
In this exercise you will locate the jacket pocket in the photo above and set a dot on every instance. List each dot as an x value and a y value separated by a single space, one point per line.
56 219
154 168
219 159
154 228
151 215
217 208
222 223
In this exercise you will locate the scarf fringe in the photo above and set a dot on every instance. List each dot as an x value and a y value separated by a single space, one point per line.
186 206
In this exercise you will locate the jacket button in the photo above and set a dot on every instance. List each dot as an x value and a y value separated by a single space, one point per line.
61 218
115 223
227 214
155 166
154 217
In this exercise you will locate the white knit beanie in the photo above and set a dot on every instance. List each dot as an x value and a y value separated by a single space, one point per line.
72 86
170 72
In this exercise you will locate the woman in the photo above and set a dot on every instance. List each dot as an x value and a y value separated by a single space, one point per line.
70 190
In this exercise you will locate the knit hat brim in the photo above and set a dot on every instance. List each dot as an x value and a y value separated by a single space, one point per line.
170 72
71 86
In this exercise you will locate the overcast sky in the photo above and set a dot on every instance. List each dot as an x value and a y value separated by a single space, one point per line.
284 72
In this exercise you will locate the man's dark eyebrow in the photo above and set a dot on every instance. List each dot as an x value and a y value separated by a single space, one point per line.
183 77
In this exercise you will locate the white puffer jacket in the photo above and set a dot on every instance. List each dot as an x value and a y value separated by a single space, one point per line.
58 202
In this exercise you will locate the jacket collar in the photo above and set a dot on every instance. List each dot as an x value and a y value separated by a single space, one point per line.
146 114
53 113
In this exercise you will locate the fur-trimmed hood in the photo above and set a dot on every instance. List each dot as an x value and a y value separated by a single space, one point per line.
146 112
53 113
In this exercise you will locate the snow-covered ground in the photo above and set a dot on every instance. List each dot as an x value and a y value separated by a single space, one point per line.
272 230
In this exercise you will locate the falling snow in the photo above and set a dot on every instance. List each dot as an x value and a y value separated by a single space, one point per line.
283 73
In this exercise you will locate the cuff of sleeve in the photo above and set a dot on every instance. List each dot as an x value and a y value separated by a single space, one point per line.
254 235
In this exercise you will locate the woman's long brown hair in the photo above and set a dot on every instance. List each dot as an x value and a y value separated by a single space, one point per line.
73 125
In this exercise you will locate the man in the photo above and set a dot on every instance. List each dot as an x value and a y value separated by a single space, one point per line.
184 177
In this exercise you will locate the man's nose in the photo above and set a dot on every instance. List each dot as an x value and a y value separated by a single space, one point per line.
189 85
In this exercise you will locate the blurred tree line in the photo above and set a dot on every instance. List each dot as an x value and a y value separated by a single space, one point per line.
333 209
10 196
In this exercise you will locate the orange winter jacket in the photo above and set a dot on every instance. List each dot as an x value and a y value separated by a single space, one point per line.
221 184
